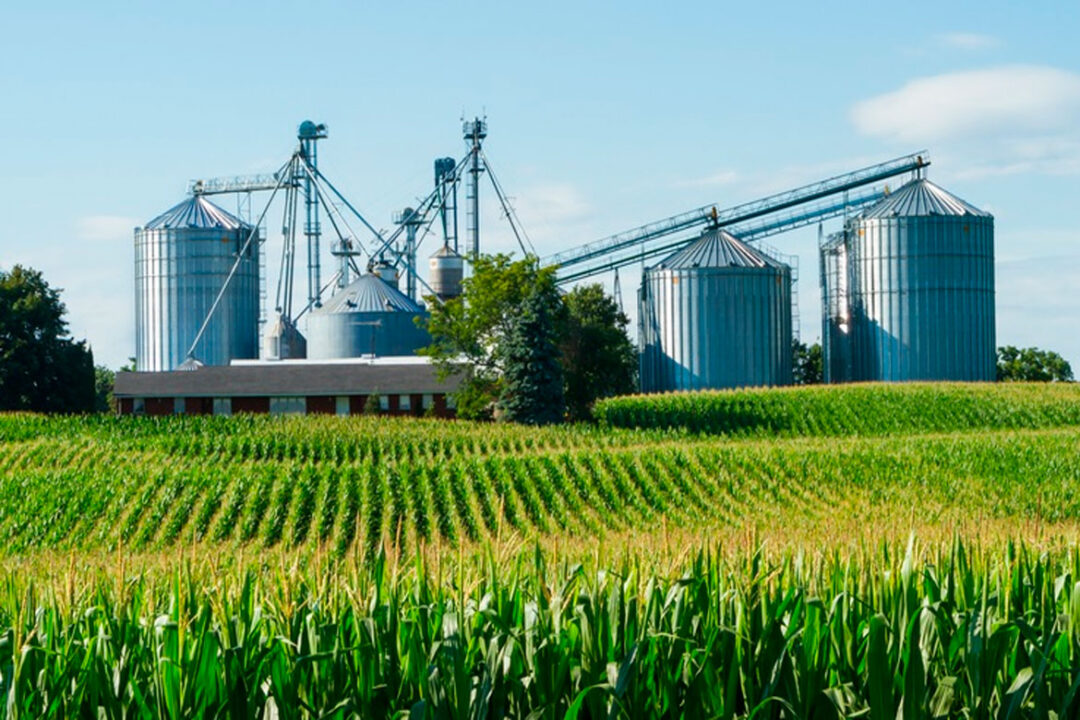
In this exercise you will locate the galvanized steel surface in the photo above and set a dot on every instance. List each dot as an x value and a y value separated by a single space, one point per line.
921 197
283 341
835 319
369 317
920 291
716 327
182 259
195 212
446 271
718 248
368 293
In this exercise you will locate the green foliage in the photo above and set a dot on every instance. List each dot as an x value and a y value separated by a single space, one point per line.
948 631
598 358
469 332
1031 365
864 409
104 380
41 368
851 454
808 363
345 616
532 390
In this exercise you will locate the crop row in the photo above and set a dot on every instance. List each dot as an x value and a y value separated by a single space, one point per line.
907 635
87 498
862 409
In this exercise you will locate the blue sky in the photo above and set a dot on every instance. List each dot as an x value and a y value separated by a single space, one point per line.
602 117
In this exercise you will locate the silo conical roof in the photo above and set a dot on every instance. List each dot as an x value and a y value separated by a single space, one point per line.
718 248
921 197
195 212
369 293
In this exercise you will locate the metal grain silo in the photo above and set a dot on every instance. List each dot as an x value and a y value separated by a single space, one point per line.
368 317
921 288
447 269
835 311
182 258
716 314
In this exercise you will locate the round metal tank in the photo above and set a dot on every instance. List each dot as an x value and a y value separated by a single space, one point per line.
716 314
369 317
921 289
835 317
446 270
283 341
182 258
385 270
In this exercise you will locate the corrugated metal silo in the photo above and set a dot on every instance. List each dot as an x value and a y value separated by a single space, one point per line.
369 317
835 316
716 314
921 288
182 258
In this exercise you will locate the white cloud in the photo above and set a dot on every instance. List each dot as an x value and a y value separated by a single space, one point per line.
996 121
1013 98
967 41
105 228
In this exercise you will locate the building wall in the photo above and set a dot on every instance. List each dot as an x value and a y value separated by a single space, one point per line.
321 405
315 405
250 405
160 406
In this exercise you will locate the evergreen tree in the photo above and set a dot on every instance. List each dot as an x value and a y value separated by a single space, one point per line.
598 358
41 368
532 390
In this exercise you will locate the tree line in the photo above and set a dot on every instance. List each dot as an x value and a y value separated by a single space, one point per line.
525 351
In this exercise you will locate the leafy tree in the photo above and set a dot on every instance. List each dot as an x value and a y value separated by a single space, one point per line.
41 368
1031 365
104 380
598 358
532 391
469 332
808 363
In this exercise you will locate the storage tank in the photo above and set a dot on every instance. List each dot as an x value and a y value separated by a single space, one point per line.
716 314
447 269
368 317
386 270
283 341
182 258
835 317
921 288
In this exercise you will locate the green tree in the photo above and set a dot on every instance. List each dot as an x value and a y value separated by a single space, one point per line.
469 332
808 363
104 381
41 368
1031 365
532 391
598 358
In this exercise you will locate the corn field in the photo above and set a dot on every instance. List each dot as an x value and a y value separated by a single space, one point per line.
860 409
272 486
950 632
736 555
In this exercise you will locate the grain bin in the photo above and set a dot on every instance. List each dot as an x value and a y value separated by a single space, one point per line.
716 314
920 290
182 258
447 269
368 317
835 317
